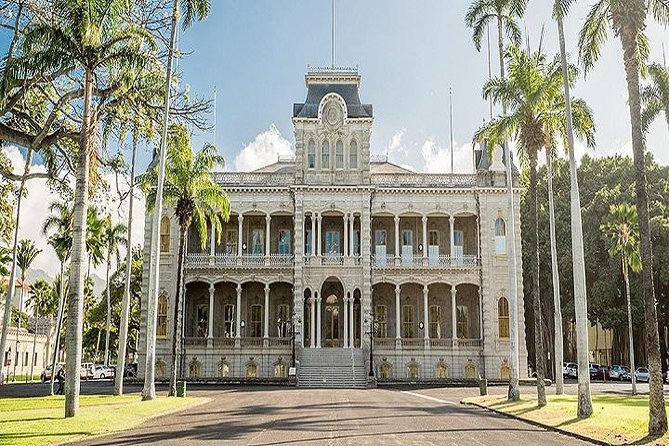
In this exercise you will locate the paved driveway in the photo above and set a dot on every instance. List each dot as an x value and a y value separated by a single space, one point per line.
285 416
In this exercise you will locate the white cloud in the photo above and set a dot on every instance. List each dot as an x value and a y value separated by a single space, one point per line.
437 159
34 210
265 149
396 145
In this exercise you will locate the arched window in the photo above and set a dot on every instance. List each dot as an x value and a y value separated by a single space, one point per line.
413 370
280 370
160 369
325 155
223 370
500 236
353 155
194 369
339 155
165 234
311 155
385 371
161 328
505 372
503 317
470 370
251 370
442 370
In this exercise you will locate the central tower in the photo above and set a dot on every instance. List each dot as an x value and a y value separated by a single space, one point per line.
332 129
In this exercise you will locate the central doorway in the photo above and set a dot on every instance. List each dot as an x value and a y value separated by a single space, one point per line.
332 321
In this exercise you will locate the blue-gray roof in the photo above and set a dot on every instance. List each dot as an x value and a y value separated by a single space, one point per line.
349 92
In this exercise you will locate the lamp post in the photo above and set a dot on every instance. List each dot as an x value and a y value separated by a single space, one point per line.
293 331
372 322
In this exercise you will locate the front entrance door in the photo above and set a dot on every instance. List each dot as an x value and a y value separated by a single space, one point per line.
332 321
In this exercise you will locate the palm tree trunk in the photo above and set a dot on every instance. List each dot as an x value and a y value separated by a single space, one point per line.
557 314
177 348
629 322
514 361
149 391
12 275
108 311
59 323
584 409
657 423
534 247
75 311
125 310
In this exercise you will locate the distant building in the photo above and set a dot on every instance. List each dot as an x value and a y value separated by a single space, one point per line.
332 240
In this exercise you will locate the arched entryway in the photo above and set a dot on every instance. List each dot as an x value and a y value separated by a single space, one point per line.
332 310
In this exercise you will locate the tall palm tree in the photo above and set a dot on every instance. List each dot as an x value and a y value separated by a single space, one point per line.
628 18
25 256
113 238
194 10
622 232
655 95
43 305
59 220
95 238
196 200
534 100
584 406
90 36
505 13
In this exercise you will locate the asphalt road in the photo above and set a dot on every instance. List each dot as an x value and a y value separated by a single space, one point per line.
288 416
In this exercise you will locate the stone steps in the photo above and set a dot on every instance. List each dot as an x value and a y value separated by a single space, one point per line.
332 368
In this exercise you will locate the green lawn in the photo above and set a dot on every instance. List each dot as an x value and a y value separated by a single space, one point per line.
39 421
616 419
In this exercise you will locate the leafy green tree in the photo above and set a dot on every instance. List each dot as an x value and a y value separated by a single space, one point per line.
628 18
43 305
114 238
5 258
197 200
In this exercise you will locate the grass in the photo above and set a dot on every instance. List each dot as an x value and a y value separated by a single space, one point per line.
39 421
616 419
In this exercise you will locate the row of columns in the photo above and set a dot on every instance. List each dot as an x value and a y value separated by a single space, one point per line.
424 221
240 243
398 313
238 319
317 234
315 327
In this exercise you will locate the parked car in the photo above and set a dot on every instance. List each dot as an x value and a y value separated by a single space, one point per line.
594 370
102 372
86 370
572 371
565 368
46 373
642 374
618 372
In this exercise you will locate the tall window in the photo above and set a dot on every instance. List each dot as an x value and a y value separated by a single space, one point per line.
339 155
283 320
435 321
332 243
229 320
311 155
407 321
325 155
382 319
500 236
202 320
284 242
463 321
161 328
503 317
353 155
258 242
307 242
280 370
256 321
223 370
165 234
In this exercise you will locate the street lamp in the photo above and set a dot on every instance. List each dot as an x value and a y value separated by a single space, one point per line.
294 327
371 321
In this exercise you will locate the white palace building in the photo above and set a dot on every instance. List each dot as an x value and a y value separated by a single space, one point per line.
334 248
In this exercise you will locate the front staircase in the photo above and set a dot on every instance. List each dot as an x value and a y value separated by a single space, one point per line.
332 368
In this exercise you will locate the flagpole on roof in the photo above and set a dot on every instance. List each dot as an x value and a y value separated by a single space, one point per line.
450 96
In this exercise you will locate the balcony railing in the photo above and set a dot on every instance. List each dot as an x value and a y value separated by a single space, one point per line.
424 180
418 261
332 260
436 343
253 179
226 260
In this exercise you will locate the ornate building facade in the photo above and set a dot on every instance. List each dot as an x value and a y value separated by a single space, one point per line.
334 248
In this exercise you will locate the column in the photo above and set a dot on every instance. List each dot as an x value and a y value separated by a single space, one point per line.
398 327
212 243
238 322
454 313
351 240
452 229
312 322
210 326
266 313
425 313
319 219
318 321
313 234
351 328
345 313
240 220
346 235
397 239
268 220
425 253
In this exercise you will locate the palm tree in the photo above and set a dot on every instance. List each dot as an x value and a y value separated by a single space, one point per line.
88 35
479 17
95 238
622 232
628 20
196 200
5 258
584 407
194 10
655 95
534 98
25 256
44 305
113 238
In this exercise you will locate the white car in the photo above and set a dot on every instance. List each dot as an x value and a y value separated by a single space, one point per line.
102 372
642 374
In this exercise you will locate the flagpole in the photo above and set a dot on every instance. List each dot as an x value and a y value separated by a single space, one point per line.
450 95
